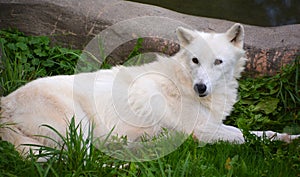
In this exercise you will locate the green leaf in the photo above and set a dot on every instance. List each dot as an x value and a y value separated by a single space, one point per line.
268 105
22 46
35 61
48 63
41 53
2 41
22 39
34 40
22 59
12 46
248 101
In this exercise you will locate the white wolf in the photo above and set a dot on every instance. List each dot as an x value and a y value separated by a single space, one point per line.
192 92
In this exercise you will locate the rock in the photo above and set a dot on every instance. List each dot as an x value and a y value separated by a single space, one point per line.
74 23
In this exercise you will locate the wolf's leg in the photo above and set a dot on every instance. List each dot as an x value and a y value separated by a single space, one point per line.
275 136
21 141
213 133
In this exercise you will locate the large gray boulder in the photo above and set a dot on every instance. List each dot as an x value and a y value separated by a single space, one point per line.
74 23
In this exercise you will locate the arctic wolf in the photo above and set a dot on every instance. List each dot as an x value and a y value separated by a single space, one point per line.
192 91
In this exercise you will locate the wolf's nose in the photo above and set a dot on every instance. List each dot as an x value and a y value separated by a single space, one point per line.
200 88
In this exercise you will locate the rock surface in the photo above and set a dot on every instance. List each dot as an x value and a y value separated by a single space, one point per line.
74 23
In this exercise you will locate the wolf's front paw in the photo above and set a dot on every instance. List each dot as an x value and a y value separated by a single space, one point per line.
288 138
276 136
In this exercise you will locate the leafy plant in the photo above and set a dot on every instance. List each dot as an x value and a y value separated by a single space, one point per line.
270 102
24 58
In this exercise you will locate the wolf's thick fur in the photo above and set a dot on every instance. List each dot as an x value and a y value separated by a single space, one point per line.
192 92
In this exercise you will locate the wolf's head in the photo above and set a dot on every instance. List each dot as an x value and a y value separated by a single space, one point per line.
213 59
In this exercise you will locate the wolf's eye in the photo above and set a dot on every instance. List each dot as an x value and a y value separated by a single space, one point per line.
218 61
195 60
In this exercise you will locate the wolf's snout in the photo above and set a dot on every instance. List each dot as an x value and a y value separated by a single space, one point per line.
200 89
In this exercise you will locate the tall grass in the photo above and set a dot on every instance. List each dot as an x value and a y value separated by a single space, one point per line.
254 158
78 157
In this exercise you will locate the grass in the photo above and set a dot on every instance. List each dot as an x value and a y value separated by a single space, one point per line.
254 158
265 103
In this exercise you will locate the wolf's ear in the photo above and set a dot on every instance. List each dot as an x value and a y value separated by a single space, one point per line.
236 35
185 36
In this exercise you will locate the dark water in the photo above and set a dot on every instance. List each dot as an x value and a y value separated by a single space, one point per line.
254 12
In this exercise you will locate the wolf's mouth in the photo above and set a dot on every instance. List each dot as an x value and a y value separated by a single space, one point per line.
202 95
